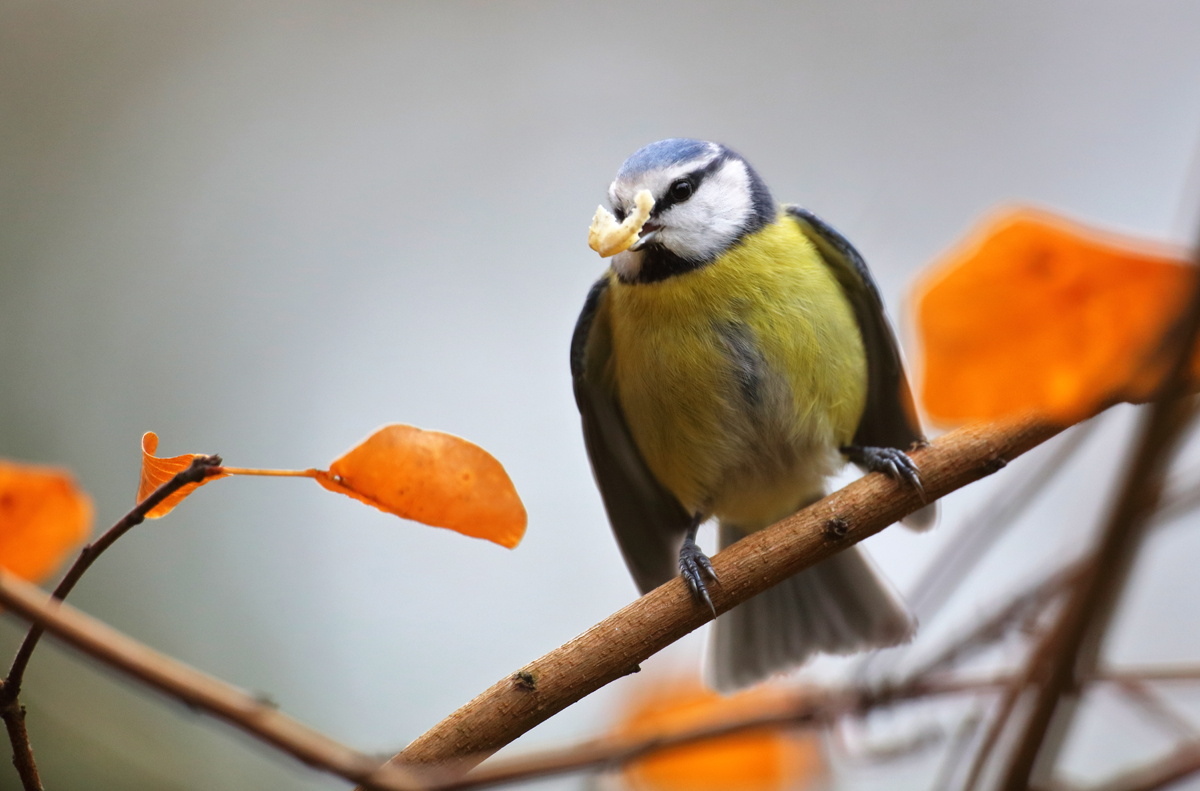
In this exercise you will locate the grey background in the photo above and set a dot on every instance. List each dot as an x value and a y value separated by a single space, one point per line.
265 228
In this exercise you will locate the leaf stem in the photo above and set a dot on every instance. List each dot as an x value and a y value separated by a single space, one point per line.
311 473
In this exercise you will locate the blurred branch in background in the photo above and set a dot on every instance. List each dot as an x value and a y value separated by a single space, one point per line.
1072 647
989 523
1181 763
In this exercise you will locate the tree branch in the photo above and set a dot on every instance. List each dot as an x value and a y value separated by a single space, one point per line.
1079 631
197 689
616 646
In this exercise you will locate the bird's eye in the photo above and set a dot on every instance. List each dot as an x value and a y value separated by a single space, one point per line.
681 190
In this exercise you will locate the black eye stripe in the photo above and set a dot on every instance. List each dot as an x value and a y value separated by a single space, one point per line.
695 178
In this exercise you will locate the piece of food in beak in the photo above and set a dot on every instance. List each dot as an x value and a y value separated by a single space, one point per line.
608 237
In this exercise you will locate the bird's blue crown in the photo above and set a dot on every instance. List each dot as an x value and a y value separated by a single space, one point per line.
663 153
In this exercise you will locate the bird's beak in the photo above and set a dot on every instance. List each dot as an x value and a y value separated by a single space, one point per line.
648 234
608 237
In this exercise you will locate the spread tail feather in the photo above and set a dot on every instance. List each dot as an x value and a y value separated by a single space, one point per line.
838 606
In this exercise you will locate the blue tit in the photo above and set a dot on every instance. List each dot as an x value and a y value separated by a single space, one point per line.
729 361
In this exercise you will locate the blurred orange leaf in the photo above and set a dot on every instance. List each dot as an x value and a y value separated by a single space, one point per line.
434 478
1035 312
43 517
156 472
763 760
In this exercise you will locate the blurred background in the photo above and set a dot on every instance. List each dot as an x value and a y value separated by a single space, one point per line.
263 229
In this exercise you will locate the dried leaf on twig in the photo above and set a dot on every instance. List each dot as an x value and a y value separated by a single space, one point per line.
156 472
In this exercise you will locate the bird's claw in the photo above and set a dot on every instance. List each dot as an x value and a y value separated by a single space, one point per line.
694 566
892 462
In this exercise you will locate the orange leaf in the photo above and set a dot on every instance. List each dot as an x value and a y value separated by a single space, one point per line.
1035 312
434 478
156 472
761 760
43 516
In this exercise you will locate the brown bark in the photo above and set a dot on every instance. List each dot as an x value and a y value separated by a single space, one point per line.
616 646
197 689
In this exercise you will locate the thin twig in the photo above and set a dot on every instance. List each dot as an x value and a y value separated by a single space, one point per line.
1182 763
1178 502
200 468
1139 693
989 523
14 721
1016 687
1080 628
1188 672
960 743
616 646
11 709
1030 602
197 689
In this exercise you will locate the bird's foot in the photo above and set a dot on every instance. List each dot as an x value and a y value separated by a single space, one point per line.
695 566
892 462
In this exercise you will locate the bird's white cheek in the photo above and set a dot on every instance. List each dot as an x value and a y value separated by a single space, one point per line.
627 264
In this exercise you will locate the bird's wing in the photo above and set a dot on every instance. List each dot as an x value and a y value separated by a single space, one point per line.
648 520
889 418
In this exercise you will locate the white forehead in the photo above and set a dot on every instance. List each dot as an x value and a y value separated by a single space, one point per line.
657 180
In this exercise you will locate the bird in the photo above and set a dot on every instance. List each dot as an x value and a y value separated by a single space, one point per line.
734 355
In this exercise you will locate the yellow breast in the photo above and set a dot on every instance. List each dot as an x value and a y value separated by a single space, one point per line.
734 375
